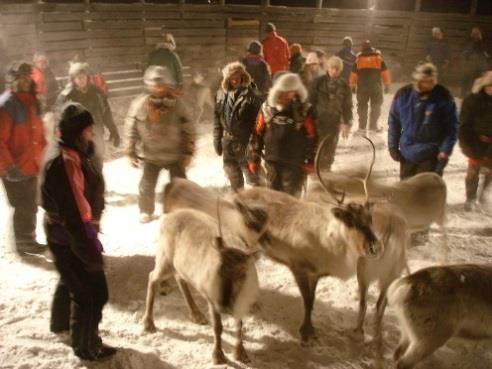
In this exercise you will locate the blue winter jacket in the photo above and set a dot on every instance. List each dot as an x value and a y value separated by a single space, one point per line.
421 126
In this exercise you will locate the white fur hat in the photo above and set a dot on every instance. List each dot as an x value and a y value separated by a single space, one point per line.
480 83
312 58
287 82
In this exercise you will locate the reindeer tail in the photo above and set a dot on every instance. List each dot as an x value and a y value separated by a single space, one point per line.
398 291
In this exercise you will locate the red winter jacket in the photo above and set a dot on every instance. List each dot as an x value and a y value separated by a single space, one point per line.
276 52
21 133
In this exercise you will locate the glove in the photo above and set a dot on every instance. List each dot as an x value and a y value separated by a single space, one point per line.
308 168
134 161
218 146
115 138
386 89
345 131
253 167
395 154
13 174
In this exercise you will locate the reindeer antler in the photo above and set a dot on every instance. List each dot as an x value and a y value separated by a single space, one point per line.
318 172
366 179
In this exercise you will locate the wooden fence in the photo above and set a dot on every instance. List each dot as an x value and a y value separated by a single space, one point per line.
116 38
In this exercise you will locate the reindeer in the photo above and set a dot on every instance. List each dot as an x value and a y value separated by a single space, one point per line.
390 228
311 239
420 199
226 277
437 303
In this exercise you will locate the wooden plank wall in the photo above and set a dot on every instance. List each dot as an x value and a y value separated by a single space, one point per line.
116 38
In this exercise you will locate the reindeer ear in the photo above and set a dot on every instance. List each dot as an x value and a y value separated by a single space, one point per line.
344 215
255 217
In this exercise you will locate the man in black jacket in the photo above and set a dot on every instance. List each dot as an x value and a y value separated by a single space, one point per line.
237 105
73 197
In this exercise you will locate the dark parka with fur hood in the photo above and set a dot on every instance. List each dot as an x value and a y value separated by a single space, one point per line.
234 124
475 135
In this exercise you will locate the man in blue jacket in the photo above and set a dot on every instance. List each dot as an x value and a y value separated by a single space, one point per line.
423 124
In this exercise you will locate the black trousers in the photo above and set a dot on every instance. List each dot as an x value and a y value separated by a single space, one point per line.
285 178
409 169
78 300
374 98
472 179
146 198
22 197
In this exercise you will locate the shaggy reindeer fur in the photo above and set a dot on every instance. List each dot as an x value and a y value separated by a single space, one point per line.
437 303
190 250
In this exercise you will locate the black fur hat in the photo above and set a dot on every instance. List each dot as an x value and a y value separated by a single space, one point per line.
74 119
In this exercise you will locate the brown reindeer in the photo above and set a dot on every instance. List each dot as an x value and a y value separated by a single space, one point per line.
437 303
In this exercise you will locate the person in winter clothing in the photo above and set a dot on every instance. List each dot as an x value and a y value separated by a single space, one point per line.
476 60
165 55
257 67
22 143
285 136
236 109
158 122
331 98
475 136
296 58
437 52
79 89
275 50
422 125
348 55
311 69
73 197
368 72
46 84
95 76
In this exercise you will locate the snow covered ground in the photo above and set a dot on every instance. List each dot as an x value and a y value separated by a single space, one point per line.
271 334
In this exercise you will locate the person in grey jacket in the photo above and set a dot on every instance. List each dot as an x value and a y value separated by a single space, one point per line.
158 123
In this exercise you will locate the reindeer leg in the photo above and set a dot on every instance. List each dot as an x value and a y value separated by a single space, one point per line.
218 356
307 285
239 351
155 276
378 321
363 286
196 315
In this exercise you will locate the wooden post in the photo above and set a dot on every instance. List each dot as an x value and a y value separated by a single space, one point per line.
418 5
319 4
474 6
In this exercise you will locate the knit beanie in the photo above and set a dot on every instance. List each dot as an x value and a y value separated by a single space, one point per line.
74 119
158 75
270 27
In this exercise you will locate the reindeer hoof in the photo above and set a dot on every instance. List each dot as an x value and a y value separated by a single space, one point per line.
149 326
241 355
198 318
218 358
307 334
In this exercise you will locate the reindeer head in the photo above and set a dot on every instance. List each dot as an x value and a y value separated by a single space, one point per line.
355 218
254 221
356 222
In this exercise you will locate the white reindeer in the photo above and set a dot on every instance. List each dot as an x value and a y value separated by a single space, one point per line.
390 228
420 199
312 240
437 303
226 277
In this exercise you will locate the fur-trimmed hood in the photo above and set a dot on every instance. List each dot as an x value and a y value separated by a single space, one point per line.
481 82
232 68
287 82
